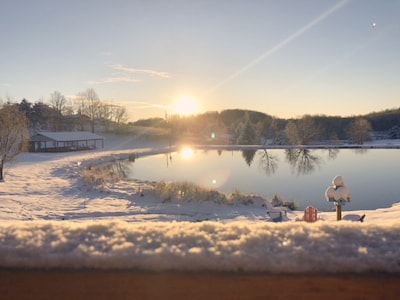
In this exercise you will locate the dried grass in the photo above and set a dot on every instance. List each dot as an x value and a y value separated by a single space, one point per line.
190 192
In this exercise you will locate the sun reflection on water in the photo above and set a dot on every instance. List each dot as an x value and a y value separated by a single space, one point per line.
186 153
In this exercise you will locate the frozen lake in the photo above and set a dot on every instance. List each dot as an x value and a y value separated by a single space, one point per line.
301 175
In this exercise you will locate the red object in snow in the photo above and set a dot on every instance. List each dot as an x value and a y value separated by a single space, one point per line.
310 214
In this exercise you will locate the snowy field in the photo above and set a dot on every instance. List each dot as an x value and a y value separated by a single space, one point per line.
50 218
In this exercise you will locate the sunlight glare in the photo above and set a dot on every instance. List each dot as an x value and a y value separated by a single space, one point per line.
185 106
187 153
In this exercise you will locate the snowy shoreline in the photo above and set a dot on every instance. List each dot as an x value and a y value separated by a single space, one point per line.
50 219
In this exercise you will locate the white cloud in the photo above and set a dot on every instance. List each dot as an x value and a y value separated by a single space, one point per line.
114 80
124 74
153 73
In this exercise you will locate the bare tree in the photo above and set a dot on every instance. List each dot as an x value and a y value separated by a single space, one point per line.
104 114
112 114
358 130
291 132
120 116
79 105
89 105
58 104
69 108
302 131
13 134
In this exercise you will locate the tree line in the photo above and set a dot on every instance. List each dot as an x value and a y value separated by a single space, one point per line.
84 112
237 126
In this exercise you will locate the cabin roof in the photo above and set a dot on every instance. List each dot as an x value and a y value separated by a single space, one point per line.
65 136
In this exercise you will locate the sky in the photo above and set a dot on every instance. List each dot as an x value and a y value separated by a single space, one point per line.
284 58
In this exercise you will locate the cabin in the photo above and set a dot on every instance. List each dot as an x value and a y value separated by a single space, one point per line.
65 141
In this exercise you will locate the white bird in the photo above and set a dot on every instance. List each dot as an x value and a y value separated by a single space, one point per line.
373 24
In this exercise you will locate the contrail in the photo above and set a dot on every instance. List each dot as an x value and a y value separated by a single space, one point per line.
286 41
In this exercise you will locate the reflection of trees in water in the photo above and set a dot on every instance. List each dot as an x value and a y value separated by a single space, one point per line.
120 167
333 153
268 162
248 156
302 160
168 157
360 151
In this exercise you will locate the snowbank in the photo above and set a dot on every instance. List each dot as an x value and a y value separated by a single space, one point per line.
234 246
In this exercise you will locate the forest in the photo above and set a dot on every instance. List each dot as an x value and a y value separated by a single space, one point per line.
238 126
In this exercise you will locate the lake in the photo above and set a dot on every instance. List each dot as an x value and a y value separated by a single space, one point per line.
301 175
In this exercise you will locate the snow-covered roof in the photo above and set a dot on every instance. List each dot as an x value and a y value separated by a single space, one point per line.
64 136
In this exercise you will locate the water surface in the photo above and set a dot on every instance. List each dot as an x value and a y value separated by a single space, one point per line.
301 175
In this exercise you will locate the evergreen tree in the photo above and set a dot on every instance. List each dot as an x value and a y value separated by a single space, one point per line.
247 133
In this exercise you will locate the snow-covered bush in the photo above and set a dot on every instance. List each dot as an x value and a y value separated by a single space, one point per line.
278 201
96 178
237 197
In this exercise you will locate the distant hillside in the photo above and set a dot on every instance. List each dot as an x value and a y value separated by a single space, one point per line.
230 124
384 120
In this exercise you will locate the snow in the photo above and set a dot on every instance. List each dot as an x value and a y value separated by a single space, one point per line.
49 219
70 135
338 192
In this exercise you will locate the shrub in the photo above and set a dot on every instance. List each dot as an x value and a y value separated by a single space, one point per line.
190 192
277 200
186 192
99 177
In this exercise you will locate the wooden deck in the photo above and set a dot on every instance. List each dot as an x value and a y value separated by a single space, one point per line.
90 284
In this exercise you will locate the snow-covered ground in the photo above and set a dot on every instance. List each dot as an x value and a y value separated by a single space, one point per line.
49 218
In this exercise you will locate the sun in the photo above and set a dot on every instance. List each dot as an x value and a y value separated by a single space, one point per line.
185 106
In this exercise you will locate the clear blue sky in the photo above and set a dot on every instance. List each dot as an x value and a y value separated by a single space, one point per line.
286 58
